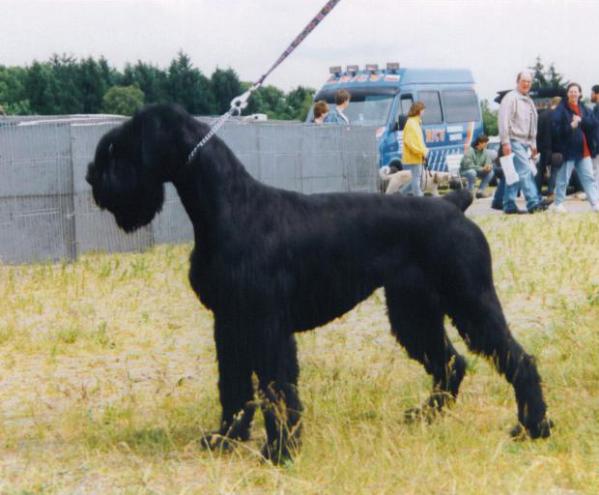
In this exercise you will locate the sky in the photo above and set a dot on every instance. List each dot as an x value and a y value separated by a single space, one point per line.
494 38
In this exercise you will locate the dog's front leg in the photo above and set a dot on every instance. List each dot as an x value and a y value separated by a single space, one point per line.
235 388
278 373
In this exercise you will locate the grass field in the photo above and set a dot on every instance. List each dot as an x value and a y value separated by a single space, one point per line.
108 378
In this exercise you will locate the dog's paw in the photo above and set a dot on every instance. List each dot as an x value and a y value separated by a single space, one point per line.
217 442
277 453
539 430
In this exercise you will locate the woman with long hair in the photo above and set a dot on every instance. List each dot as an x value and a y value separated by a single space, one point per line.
574 126
414 150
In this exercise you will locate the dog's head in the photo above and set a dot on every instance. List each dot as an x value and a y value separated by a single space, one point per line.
131 164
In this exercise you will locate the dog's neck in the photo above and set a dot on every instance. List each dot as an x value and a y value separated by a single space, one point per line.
208 184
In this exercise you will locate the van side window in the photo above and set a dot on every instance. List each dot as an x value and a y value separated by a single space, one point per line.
405 103
432 107
460 106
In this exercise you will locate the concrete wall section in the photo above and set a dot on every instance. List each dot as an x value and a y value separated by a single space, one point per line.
46 206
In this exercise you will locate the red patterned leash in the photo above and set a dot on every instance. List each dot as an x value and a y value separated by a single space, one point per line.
240 102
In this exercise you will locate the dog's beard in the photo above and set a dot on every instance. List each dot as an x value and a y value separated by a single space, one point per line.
133 202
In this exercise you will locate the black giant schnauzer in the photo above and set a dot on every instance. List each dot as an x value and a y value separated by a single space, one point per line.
270 262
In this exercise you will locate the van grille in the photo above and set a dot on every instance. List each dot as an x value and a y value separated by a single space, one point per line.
437 161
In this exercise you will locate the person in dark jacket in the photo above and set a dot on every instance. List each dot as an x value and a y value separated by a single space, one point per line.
595 148
574 128
548 164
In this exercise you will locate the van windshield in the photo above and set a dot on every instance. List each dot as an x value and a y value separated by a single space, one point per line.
368 106
369 109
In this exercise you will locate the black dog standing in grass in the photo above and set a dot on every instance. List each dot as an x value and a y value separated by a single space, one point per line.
270 262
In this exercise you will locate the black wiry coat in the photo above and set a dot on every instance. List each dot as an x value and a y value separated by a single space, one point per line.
270 262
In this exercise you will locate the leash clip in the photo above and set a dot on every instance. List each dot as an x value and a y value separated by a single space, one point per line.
239 103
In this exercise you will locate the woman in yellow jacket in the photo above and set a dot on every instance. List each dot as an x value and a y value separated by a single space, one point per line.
413 150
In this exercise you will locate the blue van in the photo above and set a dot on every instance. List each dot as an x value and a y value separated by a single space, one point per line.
382 98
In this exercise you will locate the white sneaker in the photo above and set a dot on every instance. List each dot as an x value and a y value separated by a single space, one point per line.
580 195
558 208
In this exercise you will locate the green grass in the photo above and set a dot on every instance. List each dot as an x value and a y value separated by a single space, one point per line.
108 379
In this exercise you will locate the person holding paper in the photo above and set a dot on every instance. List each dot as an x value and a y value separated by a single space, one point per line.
575 128
517 121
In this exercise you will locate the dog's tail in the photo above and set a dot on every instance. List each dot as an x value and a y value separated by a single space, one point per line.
462 198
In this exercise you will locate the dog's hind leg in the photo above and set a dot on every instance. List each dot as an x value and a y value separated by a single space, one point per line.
278 373
417 322
235 388
480 321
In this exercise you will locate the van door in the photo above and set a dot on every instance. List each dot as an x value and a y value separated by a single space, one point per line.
433 127
390 147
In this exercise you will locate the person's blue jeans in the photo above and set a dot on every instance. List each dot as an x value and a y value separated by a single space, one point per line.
526 182
414 185
471 176
584 170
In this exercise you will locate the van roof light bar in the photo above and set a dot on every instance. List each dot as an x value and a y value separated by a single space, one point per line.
335 69
372 67
392 66
352 69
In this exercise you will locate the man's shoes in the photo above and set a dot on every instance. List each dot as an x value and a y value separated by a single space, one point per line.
482 194
558 208
497 206
538 208
514 211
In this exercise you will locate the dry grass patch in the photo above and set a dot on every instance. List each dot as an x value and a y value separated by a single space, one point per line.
108 378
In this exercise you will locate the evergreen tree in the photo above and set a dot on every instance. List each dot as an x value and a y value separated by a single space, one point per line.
92 86
555 79
39 82
150 79
546 79
67 93
225 85
189 87
538 78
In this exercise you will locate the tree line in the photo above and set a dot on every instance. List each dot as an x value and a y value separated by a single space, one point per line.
67 85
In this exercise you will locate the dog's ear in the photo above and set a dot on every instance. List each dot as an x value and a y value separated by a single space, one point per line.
161 150
153 143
